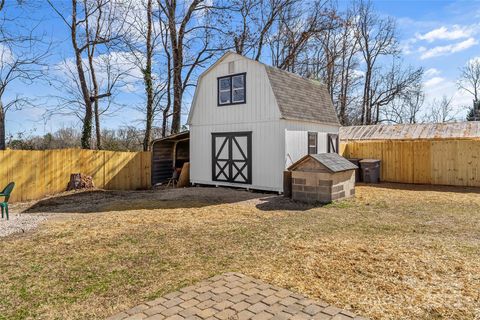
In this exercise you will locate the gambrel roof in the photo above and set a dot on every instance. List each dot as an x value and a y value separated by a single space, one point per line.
300 98
297 98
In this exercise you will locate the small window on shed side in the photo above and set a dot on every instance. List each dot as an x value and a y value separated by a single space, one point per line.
312 142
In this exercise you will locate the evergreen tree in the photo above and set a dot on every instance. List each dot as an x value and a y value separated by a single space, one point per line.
474 112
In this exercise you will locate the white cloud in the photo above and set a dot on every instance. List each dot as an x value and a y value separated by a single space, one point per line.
447 49
444 33
435 89
358 73
6 55
432 72
433 82
436 86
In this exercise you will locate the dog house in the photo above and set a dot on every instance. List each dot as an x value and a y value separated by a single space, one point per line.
169 153
322 178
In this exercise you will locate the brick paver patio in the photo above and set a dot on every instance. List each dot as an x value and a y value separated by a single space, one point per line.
234 296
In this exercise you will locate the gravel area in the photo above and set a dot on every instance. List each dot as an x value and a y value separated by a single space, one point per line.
19 223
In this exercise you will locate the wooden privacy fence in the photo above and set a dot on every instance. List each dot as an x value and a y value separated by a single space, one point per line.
40 173
444 162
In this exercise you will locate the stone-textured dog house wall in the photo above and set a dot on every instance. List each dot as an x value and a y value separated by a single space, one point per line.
322 178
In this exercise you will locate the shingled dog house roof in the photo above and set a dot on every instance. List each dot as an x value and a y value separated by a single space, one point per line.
332 161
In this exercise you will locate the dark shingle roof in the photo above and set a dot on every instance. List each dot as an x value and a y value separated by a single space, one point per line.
333 161
300 98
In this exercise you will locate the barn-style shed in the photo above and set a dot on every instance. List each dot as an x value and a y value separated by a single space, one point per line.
249 121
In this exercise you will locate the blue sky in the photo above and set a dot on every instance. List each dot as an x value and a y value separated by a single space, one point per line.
440 36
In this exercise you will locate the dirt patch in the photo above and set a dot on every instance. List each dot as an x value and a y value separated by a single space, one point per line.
394 252
19 224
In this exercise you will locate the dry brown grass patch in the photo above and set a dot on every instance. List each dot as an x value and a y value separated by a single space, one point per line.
388 254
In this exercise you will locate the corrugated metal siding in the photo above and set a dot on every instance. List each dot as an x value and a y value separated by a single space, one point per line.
456 130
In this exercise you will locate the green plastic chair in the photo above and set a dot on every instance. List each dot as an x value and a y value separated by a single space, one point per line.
6 193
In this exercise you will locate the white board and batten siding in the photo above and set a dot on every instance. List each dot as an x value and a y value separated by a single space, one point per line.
259 115
296 139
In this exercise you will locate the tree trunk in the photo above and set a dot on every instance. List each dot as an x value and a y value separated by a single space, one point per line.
177 101
95 102
98 132
3 144
147 77
87 120
164 123
366 98
176 40
169 98
177 57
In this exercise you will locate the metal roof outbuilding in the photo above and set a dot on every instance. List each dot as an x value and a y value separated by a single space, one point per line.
454 130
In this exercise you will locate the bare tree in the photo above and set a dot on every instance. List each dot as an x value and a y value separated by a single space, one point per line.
386 87
147 76
257 19
317 20
469 81
407 107
190 45
470 78
441 110
168 103
376 38
21 59
91 25
332 57
348 64
143 40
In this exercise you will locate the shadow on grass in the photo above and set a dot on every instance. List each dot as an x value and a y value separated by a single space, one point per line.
187 198
105 201
281 203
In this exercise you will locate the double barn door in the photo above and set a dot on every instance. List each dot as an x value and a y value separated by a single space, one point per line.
232 157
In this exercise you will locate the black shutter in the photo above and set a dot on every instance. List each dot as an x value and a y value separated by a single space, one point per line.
332 143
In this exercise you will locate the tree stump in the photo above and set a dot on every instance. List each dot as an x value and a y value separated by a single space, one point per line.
80 181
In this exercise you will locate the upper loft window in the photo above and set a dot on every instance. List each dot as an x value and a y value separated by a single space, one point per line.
232 89
312 142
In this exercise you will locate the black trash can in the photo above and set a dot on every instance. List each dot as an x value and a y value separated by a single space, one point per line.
358 176
370 170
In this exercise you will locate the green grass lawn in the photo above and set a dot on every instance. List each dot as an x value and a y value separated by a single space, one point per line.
394 252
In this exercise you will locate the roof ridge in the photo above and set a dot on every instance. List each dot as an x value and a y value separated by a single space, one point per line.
314 81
